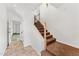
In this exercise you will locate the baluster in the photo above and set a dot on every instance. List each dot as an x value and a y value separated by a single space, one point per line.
45 34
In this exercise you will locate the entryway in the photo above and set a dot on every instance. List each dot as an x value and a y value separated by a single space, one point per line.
14 32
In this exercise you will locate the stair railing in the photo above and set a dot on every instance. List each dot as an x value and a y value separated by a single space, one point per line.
45 27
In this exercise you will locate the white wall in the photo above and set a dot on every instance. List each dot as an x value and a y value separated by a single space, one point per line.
72 10
37 41
3 29
62 22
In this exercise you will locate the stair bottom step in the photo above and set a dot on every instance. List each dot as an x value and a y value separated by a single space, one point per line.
49 41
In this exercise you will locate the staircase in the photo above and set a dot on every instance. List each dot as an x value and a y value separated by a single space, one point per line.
53 47
49 38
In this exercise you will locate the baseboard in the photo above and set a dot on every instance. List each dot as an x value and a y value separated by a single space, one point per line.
26 44
2 54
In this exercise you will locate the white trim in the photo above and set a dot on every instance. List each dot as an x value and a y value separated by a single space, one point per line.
67 43
27 44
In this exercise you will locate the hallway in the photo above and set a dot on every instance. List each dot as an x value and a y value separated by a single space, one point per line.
16 49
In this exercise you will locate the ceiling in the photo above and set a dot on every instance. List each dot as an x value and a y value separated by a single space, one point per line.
31 6
24 6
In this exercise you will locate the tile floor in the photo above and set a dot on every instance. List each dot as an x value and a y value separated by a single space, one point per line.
16 49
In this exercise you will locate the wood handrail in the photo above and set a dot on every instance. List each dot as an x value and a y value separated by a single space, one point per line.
45 35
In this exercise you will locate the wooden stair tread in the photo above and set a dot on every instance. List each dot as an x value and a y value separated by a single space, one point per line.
60 49
39 25
49 41
42 30
46 33
49 36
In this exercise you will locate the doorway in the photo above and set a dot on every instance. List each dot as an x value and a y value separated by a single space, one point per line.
14 31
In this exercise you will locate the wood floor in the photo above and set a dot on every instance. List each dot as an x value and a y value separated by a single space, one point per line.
16 49
60 49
